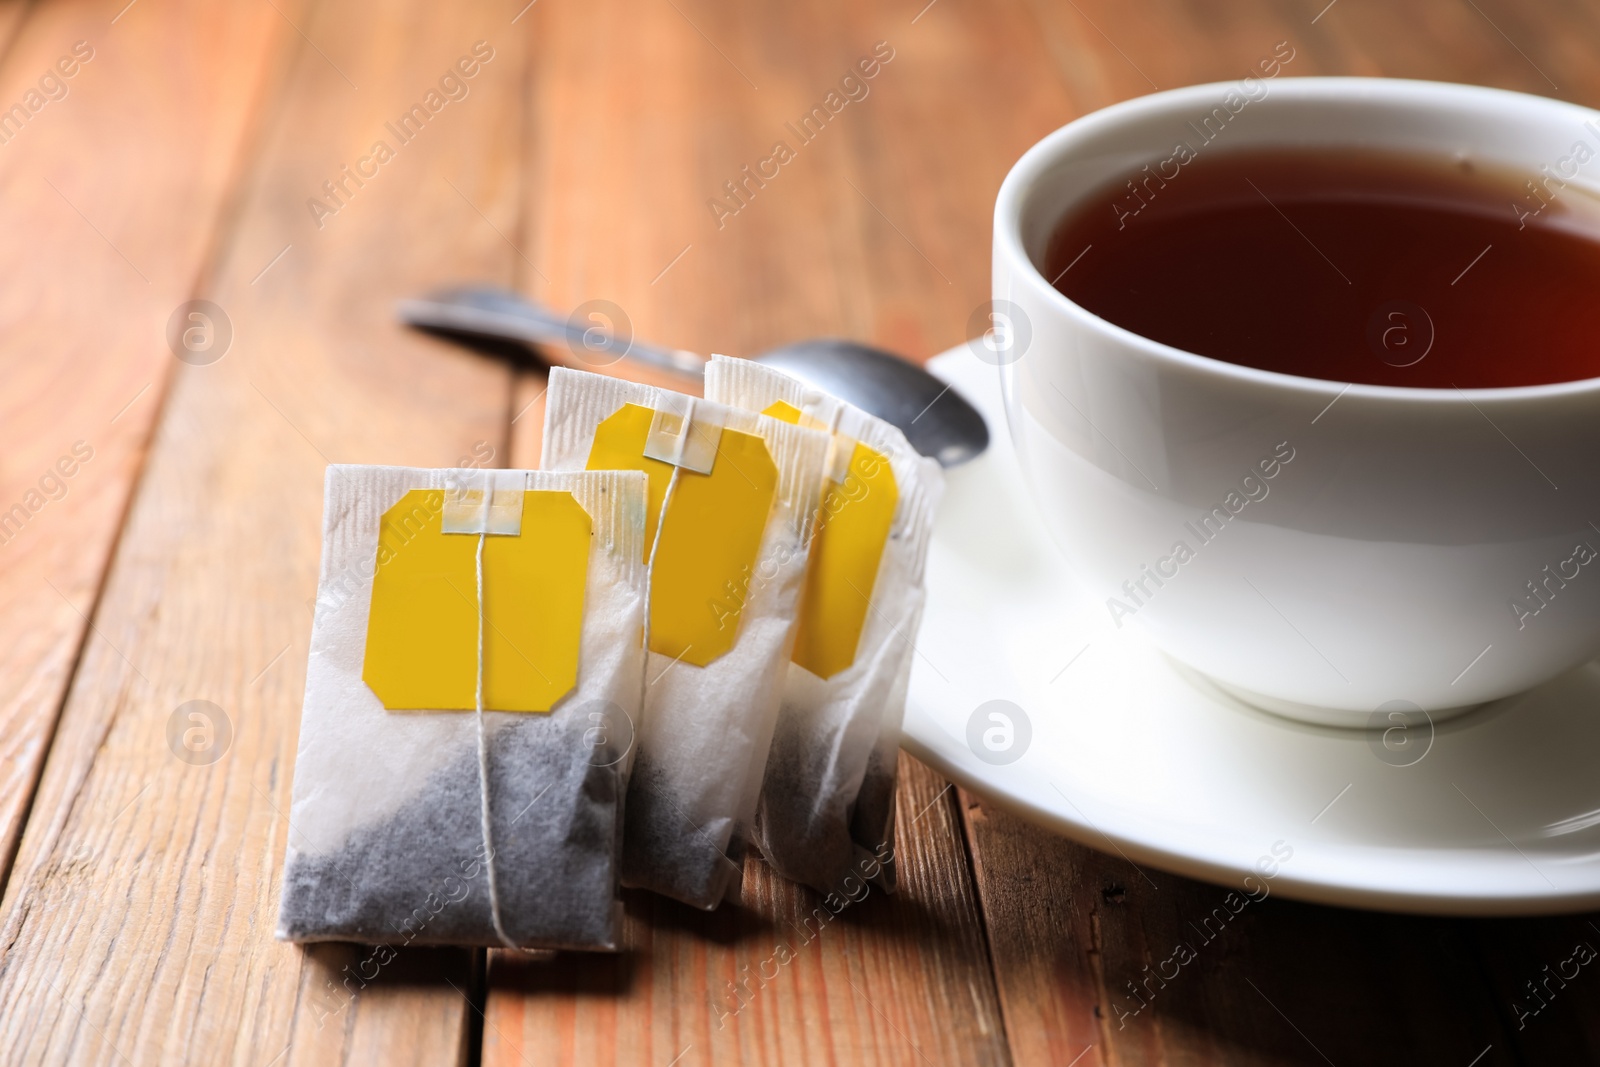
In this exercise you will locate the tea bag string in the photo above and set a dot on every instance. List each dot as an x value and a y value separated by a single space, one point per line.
650 575
483 773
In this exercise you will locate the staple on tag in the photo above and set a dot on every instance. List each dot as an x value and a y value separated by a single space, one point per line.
484 502
840 458
684 433
819 411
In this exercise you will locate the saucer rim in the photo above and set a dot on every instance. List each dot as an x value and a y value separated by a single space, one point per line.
1321 889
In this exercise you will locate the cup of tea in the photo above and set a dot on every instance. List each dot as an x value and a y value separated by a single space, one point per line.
1305 378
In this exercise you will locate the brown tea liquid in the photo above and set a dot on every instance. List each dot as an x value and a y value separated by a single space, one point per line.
1349 266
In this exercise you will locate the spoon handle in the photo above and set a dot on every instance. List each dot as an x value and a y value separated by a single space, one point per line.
502 315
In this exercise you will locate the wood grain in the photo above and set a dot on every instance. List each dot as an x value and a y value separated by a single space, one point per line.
109 197
12 14
1086 953
775 979
878 228
1545 996
138 922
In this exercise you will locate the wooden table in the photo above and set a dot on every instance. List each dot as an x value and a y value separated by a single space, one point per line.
187 159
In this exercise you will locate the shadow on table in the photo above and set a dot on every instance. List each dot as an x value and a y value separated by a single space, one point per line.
1165 969
771 911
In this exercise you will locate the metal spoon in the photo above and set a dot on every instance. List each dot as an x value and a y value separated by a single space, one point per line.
935 419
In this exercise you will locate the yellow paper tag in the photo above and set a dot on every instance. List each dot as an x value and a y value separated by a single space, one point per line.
783 411
846 550
422 633
709 537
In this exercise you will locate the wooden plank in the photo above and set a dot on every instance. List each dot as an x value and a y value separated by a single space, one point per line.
96 259
527 418
1532 48
1040 909
12 15
775 979
1087 955
1544 979
1109 52
879 226
138 922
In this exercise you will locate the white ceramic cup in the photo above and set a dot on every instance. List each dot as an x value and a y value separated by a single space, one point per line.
1348 546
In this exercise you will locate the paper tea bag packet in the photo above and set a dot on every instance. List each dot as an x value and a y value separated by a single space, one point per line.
474 679
827 806
731 503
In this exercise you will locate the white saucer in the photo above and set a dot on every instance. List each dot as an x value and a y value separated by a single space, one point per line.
1496 812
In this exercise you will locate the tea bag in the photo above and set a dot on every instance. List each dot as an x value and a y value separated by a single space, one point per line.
473 684
733 496
827 806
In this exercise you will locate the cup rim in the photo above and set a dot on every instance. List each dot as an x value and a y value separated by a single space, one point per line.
1020 179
